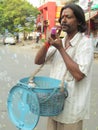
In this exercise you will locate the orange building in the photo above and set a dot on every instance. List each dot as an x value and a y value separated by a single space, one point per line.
48 17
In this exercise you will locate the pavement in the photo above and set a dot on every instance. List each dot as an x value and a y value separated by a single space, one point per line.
29 44
32 45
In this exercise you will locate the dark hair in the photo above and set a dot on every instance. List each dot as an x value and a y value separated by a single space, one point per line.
79 14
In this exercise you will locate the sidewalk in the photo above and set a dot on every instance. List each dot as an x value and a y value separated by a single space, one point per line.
29 44
33 45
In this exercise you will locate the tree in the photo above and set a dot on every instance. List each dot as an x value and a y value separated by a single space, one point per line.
17 15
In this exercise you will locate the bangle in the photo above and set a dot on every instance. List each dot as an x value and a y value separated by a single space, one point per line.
47 45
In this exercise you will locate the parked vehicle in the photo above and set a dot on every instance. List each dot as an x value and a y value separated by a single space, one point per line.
9 39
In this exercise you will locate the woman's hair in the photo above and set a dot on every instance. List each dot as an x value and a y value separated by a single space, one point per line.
79 14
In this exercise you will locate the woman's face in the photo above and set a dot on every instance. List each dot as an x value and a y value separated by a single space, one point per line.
69 22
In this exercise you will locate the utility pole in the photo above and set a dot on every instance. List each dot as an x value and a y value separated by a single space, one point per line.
89 10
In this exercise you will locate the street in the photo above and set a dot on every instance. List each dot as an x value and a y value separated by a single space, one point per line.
17 62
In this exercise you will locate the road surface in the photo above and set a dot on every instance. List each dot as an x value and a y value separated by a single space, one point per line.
17 62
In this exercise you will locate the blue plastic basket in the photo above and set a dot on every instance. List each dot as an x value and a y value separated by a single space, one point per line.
26 104
51 100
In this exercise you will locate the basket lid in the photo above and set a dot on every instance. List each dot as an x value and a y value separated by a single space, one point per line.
23 107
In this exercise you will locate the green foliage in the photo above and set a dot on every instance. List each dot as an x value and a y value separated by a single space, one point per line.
17 15
43 40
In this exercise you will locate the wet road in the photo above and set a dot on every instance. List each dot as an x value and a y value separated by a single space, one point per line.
18 62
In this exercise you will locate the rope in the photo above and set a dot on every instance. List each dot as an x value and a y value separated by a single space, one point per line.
48 58
36 71
62 83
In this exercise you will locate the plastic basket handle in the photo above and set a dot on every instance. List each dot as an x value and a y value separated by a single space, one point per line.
62 83
36 71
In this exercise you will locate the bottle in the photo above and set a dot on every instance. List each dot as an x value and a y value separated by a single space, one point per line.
55 31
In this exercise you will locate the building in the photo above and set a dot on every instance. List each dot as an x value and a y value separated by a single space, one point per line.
50 11
91 16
